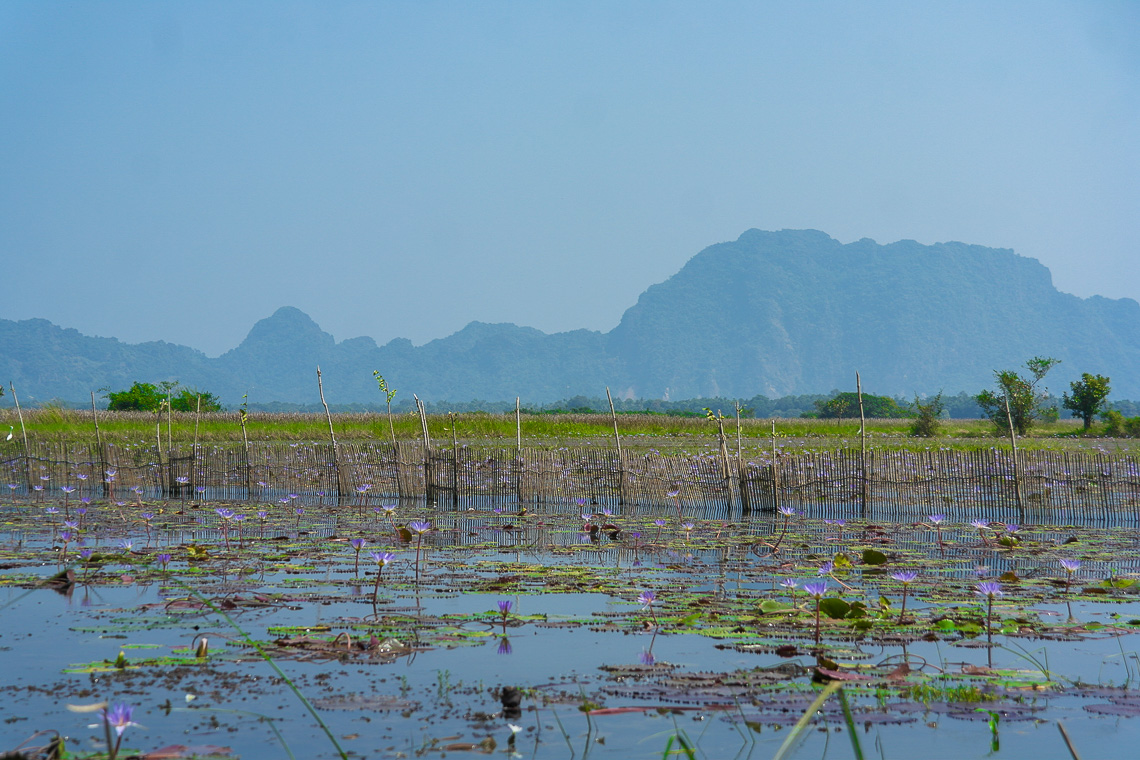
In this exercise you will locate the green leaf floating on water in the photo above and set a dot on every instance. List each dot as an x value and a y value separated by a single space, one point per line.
834 607
874 557
771 605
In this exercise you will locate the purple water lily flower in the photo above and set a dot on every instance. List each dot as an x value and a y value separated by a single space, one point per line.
904 576
119 717
382 558
419 526
988 589
816 588
647 598
505 607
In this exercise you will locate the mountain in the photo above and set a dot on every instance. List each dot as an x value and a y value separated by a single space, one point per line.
770 313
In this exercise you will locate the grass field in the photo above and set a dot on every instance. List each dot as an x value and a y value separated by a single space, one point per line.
637 430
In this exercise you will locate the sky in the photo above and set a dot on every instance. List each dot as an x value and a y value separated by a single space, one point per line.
176 171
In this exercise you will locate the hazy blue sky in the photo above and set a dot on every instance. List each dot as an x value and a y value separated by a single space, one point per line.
179 170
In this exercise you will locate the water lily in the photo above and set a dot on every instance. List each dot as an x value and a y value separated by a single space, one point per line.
382 559
989 590
905 577
163 559
937 521
646 599
357 544
117 718
1071 567
816 589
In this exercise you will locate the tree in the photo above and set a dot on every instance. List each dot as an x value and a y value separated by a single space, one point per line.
927 416
187 400
1088 397
1017 399
846 405
148 397
140 397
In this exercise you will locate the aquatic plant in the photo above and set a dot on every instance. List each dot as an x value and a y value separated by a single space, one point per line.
1071 567
419 527
816 589
646 599
791 584
357 544
982 526
382 560
118 717
905 577
936 521
988 590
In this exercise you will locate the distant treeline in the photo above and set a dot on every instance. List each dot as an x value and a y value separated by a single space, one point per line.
960 407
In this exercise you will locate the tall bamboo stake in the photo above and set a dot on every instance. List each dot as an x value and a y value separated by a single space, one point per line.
429 490
1016 469
332 436
194 451
24 435
775 470
518 425
617 442
865 500
99 445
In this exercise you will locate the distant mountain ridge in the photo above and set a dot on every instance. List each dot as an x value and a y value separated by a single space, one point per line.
770 313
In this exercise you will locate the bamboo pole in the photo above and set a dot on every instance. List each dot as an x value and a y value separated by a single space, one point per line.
332 436
865 500
617 442
775 471
518 424
429 491
24 435
99 445
1013 448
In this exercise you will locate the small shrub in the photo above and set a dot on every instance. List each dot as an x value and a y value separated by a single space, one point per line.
927 417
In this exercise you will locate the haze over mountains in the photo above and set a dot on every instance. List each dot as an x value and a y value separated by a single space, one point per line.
771 313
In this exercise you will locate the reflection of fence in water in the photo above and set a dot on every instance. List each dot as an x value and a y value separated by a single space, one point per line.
903 484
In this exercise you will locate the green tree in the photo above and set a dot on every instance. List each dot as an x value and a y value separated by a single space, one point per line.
1026 404
140 397
186 400
846 405
927 416
1088 397
148 397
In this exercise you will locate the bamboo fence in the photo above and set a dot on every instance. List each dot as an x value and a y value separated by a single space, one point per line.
1054 485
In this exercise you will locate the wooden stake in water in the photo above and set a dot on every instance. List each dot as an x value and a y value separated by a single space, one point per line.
99 444
617 442
518 425
332 435
775 470
24 435
1013 452
865 501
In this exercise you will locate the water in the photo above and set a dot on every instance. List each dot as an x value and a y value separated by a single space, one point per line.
575 636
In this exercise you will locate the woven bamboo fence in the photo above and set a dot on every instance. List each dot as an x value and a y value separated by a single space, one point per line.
887 484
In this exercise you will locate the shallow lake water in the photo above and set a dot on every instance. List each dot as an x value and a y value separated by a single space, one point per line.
723 659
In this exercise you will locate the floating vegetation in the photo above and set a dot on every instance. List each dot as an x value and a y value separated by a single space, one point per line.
457 625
